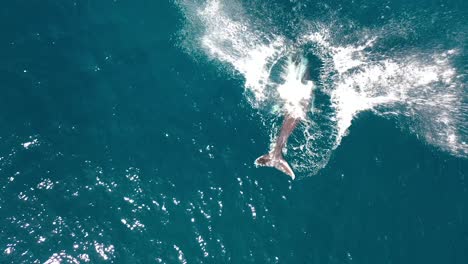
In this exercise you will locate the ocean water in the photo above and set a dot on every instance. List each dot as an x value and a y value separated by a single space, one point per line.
129 130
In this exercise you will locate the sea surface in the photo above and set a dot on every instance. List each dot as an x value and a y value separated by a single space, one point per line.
129 131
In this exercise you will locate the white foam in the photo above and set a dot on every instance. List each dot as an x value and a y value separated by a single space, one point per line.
418 85
251 53
348 57
295 94
423 87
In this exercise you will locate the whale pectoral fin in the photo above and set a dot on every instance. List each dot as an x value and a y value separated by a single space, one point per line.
277 162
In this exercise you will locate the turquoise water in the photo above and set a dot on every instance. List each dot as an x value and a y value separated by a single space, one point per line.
129 131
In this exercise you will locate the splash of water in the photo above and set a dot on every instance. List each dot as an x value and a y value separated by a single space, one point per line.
250 53
295 92
423 87
424 90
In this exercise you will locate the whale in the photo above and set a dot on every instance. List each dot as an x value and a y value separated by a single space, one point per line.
275 157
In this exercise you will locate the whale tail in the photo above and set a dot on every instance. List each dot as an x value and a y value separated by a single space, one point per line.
276 161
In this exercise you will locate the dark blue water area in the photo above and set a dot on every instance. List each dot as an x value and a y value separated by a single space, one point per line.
119 147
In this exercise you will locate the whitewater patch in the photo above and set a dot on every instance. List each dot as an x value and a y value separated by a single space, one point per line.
423 90
251 53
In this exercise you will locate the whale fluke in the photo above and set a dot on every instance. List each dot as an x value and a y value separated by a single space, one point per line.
275 161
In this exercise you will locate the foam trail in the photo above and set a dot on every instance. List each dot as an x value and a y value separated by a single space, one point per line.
424 87
251 53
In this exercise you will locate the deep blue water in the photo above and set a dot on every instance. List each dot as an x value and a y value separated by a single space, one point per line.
119 146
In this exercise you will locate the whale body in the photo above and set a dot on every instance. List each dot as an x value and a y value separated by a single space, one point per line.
275 157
